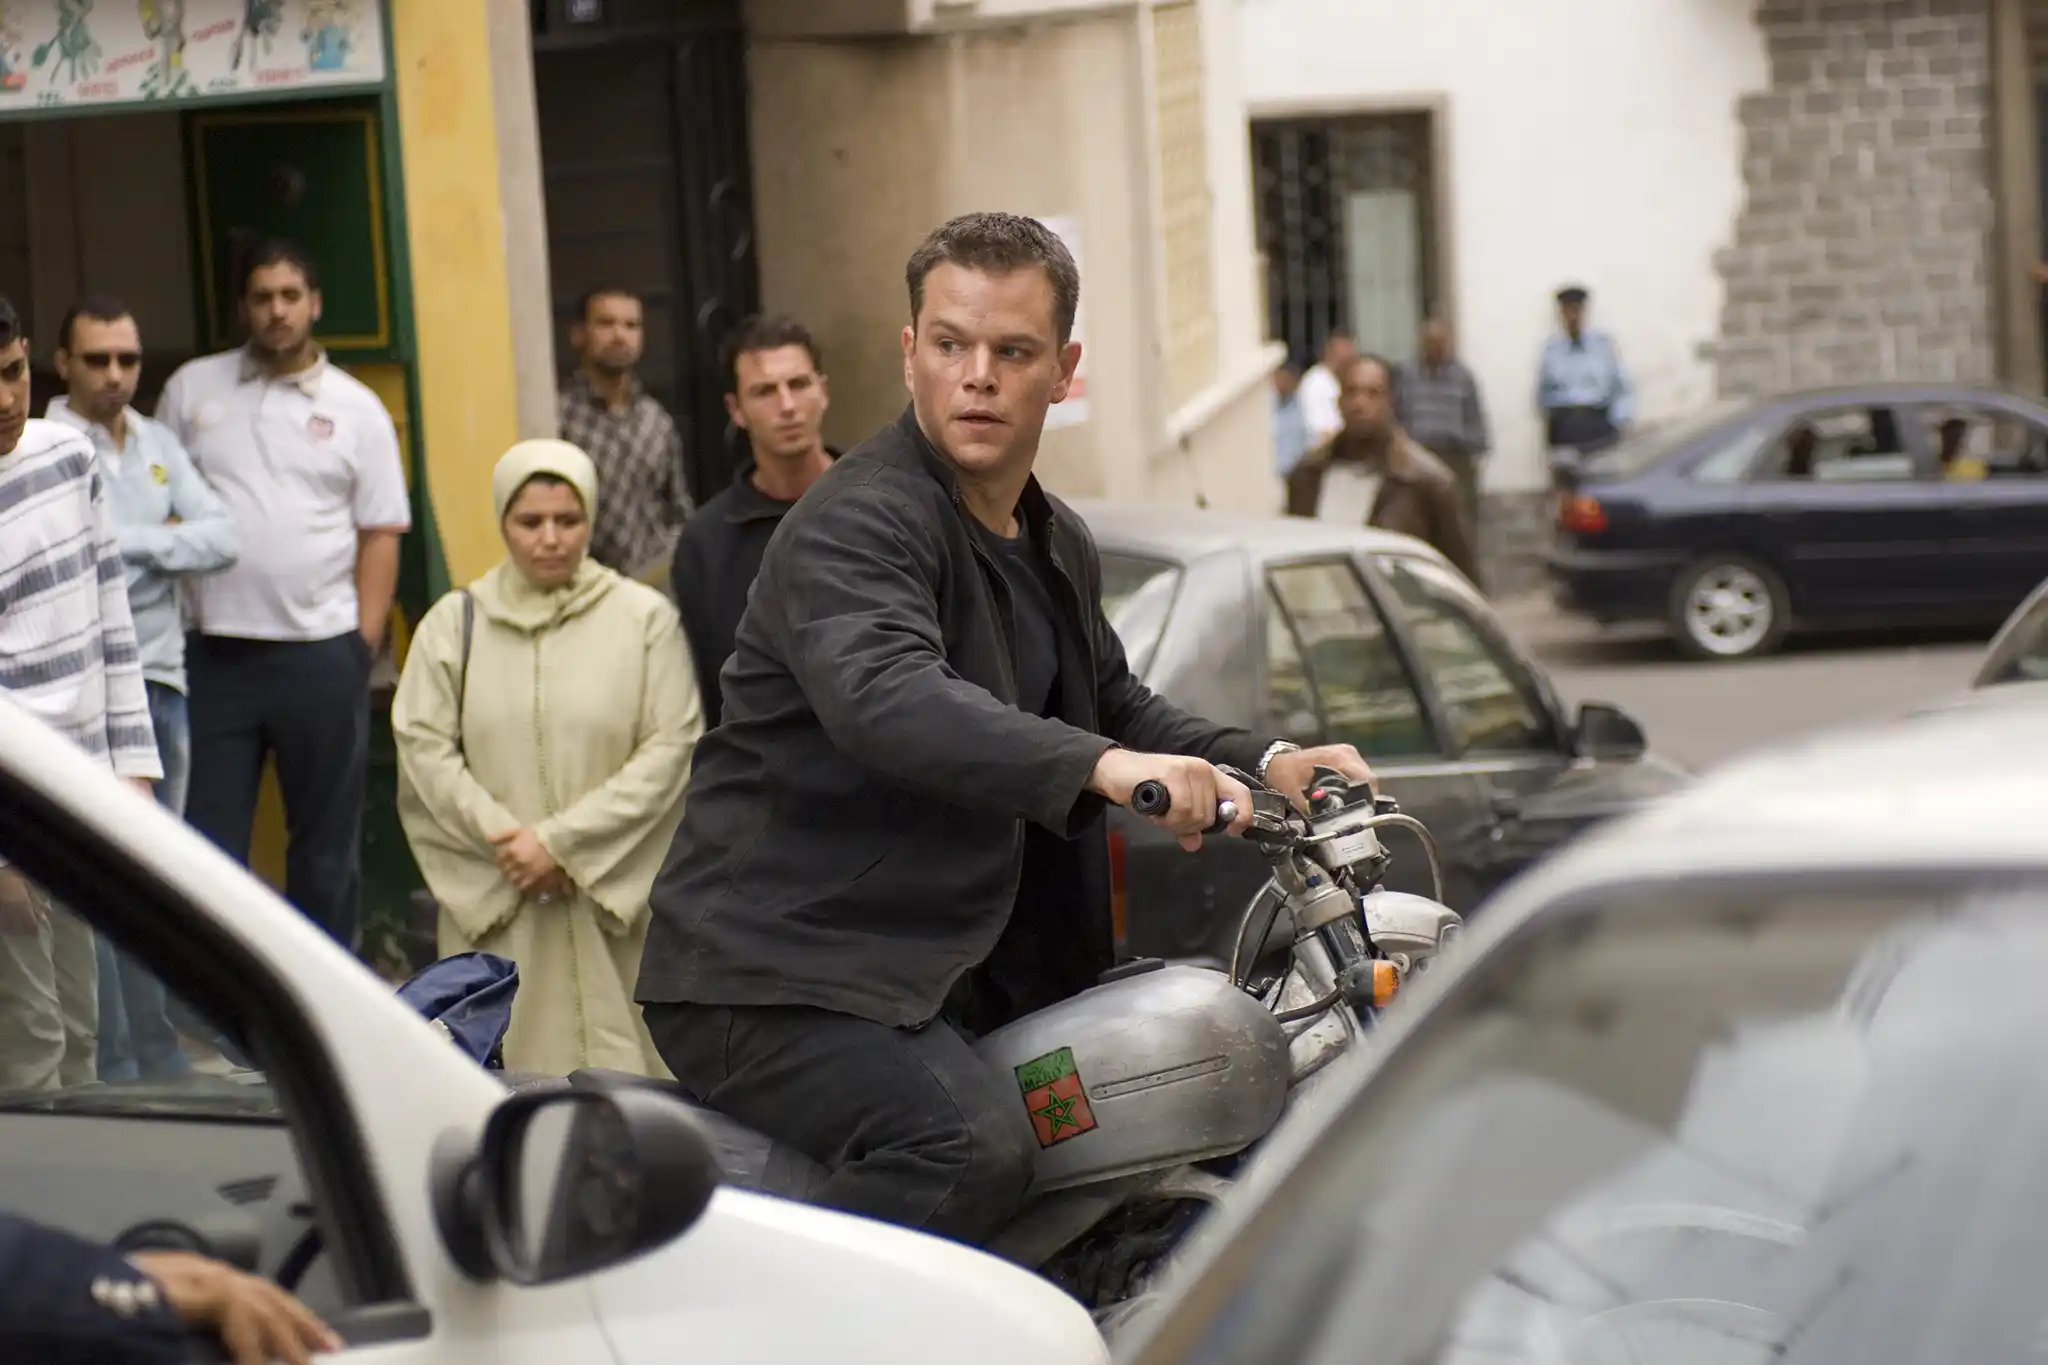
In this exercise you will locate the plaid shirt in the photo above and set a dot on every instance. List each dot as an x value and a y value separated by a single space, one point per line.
1440 408
642 501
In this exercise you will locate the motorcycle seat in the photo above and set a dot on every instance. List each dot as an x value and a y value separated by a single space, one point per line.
749 1160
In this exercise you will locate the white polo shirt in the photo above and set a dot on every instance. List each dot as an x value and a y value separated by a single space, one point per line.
303 462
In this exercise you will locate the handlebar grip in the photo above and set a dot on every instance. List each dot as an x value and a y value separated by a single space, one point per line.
1151 798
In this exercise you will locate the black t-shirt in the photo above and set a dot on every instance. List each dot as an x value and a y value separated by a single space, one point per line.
1035 650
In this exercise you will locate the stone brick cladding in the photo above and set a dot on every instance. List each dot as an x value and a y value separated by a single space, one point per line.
1863 251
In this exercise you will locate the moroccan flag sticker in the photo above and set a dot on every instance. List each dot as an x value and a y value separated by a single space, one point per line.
1053 1093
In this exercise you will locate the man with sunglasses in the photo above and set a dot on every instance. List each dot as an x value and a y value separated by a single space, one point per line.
171 525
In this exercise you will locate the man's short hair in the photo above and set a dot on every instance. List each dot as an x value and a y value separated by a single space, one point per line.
766 332
98 307
996 244
10 323
278 251
1573 293
1369 358
604 291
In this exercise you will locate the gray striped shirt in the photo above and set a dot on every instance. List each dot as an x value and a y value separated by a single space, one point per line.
67 642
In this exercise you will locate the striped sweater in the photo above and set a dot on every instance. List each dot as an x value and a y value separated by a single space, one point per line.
67 642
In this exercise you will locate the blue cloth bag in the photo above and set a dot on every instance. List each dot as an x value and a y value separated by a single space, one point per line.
469 997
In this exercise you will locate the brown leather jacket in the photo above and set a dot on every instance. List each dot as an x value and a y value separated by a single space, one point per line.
1418 497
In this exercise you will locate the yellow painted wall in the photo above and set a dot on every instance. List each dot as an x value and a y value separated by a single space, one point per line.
448 143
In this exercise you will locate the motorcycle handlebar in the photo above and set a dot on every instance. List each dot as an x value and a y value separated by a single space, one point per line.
1151 798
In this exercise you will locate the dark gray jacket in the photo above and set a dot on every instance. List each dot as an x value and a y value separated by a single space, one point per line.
854 836
64 1301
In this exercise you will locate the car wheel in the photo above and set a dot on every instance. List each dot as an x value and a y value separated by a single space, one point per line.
1728 607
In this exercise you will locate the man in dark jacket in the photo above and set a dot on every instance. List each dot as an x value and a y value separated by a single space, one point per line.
777 396
63 1299
1373 474
894 841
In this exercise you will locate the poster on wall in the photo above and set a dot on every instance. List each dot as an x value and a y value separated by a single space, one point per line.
1074 410
57 54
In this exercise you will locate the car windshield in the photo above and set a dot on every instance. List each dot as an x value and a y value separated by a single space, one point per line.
2020 653
1137 595
1762 1125
1649 442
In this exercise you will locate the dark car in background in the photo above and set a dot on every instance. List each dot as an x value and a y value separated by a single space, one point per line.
1835 508
1323 633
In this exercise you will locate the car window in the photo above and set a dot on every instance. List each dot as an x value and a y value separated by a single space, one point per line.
1714 1126
1649 442
1329 651
1493 701
1976 442
1731 456
2020 653
1137 597
124 1108
1851 444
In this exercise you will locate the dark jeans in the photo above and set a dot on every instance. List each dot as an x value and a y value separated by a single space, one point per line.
914 1128
306 705
137 1041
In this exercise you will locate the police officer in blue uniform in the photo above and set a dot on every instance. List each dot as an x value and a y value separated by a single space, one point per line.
65 1301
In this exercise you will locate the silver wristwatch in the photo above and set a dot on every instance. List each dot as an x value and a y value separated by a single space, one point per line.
1273 751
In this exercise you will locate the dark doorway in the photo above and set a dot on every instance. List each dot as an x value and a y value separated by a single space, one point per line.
643 127
1346 221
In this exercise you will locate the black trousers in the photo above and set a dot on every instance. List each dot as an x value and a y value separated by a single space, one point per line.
913 1127
307 706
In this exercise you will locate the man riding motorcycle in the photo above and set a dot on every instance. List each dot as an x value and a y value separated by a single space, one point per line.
893 842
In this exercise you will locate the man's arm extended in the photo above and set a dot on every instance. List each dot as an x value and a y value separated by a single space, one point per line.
854 587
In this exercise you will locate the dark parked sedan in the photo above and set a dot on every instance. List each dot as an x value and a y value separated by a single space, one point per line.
1848 507
1327 633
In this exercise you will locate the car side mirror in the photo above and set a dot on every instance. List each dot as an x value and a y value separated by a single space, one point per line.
566 1182
1606 731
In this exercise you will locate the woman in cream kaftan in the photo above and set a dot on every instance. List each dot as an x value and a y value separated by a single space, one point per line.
540 785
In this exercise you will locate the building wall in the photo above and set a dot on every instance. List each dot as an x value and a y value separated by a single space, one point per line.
478 263
860 148
1603 150
1864 247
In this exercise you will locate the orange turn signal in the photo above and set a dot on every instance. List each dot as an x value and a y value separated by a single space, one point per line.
1386 979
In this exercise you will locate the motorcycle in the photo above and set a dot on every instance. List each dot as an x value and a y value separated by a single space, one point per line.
1145 1092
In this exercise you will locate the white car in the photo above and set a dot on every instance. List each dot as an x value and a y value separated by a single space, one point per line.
426 1211
1748 1077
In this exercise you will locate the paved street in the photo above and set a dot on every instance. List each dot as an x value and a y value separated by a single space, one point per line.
1701 713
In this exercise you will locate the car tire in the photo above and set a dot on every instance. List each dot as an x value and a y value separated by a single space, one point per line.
1728 606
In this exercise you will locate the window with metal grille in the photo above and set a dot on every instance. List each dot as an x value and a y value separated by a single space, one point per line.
1345 215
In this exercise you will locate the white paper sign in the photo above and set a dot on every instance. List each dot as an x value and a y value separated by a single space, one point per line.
1074 410
66 53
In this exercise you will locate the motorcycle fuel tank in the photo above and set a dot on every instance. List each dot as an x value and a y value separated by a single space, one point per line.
1145 1073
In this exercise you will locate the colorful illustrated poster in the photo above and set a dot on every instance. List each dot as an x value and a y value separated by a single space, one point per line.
1074 410
85 53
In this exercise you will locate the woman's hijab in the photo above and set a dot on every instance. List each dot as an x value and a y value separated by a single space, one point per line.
547 456
504 592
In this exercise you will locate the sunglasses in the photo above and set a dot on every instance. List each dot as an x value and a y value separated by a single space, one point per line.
100 360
